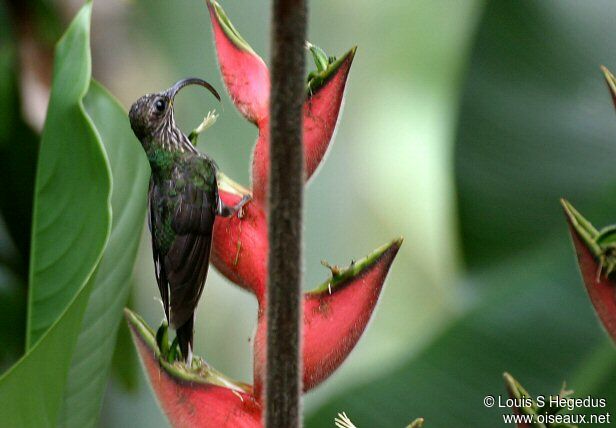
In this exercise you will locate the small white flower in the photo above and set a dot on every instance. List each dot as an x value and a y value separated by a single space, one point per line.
208 121
343 421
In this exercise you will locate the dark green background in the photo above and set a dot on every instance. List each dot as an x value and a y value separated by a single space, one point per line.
464 123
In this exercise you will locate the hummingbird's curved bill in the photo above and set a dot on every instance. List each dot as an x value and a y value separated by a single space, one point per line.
172 91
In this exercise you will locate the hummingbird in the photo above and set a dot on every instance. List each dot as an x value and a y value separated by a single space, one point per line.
183 202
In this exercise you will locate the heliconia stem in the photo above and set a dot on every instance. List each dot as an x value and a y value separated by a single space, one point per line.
595 266
193 398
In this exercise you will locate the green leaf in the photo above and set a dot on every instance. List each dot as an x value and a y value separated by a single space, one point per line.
31 391
537 123
130 173
125 362
70 228
71 205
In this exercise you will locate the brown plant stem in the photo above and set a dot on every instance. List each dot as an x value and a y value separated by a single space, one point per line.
283 367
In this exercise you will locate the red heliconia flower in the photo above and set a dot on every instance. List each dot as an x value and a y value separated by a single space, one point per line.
597 260
240 245
205 398
335 314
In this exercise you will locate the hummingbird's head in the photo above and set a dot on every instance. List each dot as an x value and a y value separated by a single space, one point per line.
153 113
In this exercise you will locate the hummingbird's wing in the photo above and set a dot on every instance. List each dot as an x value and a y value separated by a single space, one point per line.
184 220
155 223
187 261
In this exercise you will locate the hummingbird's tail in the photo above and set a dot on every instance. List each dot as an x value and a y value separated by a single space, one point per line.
185 339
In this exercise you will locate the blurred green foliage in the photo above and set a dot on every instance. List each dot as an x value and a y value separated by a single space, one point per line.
18 148
82 260
536 124
464 123
93 354
26 397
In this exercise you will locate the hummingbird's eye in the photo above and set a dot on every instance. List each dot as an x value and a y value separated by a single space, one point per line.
160 105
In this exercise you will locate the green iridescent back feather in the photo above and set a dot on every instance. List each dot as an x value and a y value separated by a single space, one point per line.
189 169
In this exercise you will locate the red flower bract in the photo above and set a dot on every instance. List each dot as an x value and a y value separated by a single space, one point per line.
335 314
247 80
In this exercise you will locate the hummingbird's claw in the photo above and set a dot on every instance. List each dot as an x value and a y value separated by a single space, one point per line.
240 206
225 210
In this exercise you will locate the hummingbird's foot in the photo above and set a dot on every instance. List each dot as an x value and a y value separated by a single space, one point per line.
240 206
162 339
208 121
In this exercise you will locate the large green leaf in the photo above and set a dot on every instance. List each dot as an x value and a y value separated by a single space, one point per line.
536 124
31 391
538 326
71 205
72 221
130 173
125 362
